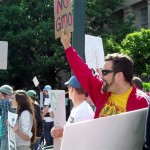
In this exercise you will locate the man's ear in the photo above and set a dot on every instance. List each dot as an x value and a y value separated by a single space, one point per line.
72 89
119 76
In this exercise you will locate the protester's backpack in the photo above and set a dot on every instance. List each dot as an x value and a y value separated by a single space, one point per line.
39 121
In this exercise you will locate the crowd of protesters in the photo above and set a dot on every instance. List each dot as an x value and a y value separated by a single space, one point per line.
112 90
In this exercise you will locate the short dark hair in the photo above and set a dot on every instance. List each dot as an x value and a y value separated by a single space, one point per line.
121 63
80 91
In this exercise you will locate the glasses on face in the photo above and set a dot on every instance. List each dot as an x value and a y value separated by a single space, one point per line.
105 72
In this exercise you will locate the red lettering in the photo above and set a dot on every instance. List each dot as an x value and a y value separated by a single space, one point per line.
65 4
58 6
58 24
70 19
64 21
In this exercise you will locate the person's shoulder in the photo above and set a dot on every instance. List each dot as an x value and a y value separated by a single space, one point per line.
142 96
5 102
25 113
85 107
148 93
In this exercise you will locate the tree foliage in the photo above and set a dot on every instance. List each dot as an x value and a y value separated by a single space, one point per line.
137 45
28 26
101 20
29 29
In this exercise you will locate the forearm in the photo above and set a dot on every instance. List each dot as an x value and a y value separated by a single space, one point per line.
23 135
44 112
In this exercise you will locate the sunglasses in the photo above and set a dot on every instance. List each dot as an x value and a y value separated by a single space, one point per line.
105 72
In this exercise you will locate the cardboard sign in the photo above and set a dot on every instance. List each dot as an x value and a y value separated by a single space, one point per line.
119 132
3 54
63 16
35 81
12 117
57 98
94 52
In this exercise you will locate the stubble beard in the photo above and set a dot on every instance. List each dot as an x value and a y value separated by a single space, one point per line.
105 87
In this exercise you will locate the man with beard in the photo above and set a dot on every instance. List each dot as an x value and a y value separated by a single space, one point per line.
114 92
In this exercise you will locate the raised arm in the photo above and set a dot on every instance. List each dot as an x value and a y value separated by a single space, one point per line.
84 74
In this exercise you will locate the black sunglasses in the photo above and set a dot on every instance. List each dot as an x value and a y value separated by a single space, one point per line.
105 72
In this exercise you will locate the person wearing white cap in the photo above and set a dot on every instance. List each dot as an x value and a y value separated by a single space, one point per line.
81 110
48 121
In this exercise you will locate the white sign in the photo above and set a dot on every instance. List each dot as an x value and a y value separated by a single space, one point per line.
41 99
119 132
12 117
3 54
57 98
94 52
35 81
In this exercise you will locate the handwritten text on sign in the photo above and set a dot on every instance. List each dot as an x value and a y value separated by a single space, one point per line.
63 16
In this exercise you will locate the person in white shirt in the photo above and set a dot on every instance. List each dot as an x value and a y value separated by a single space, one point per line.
81 110
25 128
48 121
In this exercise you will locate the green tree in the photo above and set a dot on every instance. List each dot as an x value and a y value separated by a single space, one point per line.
137 45
101 20
29 29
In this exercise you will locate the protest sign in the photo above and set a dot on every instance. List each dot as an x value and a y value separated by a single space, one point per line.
119 132
94 52
41 99
35 81
3 54
12 117
63 16
57 98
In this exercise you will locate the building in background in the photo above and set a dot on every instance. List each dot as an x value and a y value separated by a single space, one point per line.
140 9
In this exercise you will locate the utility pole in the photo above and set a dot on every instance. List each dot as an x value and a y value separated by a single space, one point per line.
78 38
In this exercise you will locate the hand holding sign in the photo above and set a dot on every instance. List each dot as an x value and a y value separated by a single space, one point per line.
65 39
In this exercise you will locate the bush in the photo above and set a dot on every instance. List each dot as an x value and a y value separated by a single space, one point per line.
146 86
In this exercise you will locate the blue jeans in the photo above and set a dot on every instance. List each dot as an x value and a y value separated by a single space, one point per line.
47 128
36 144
